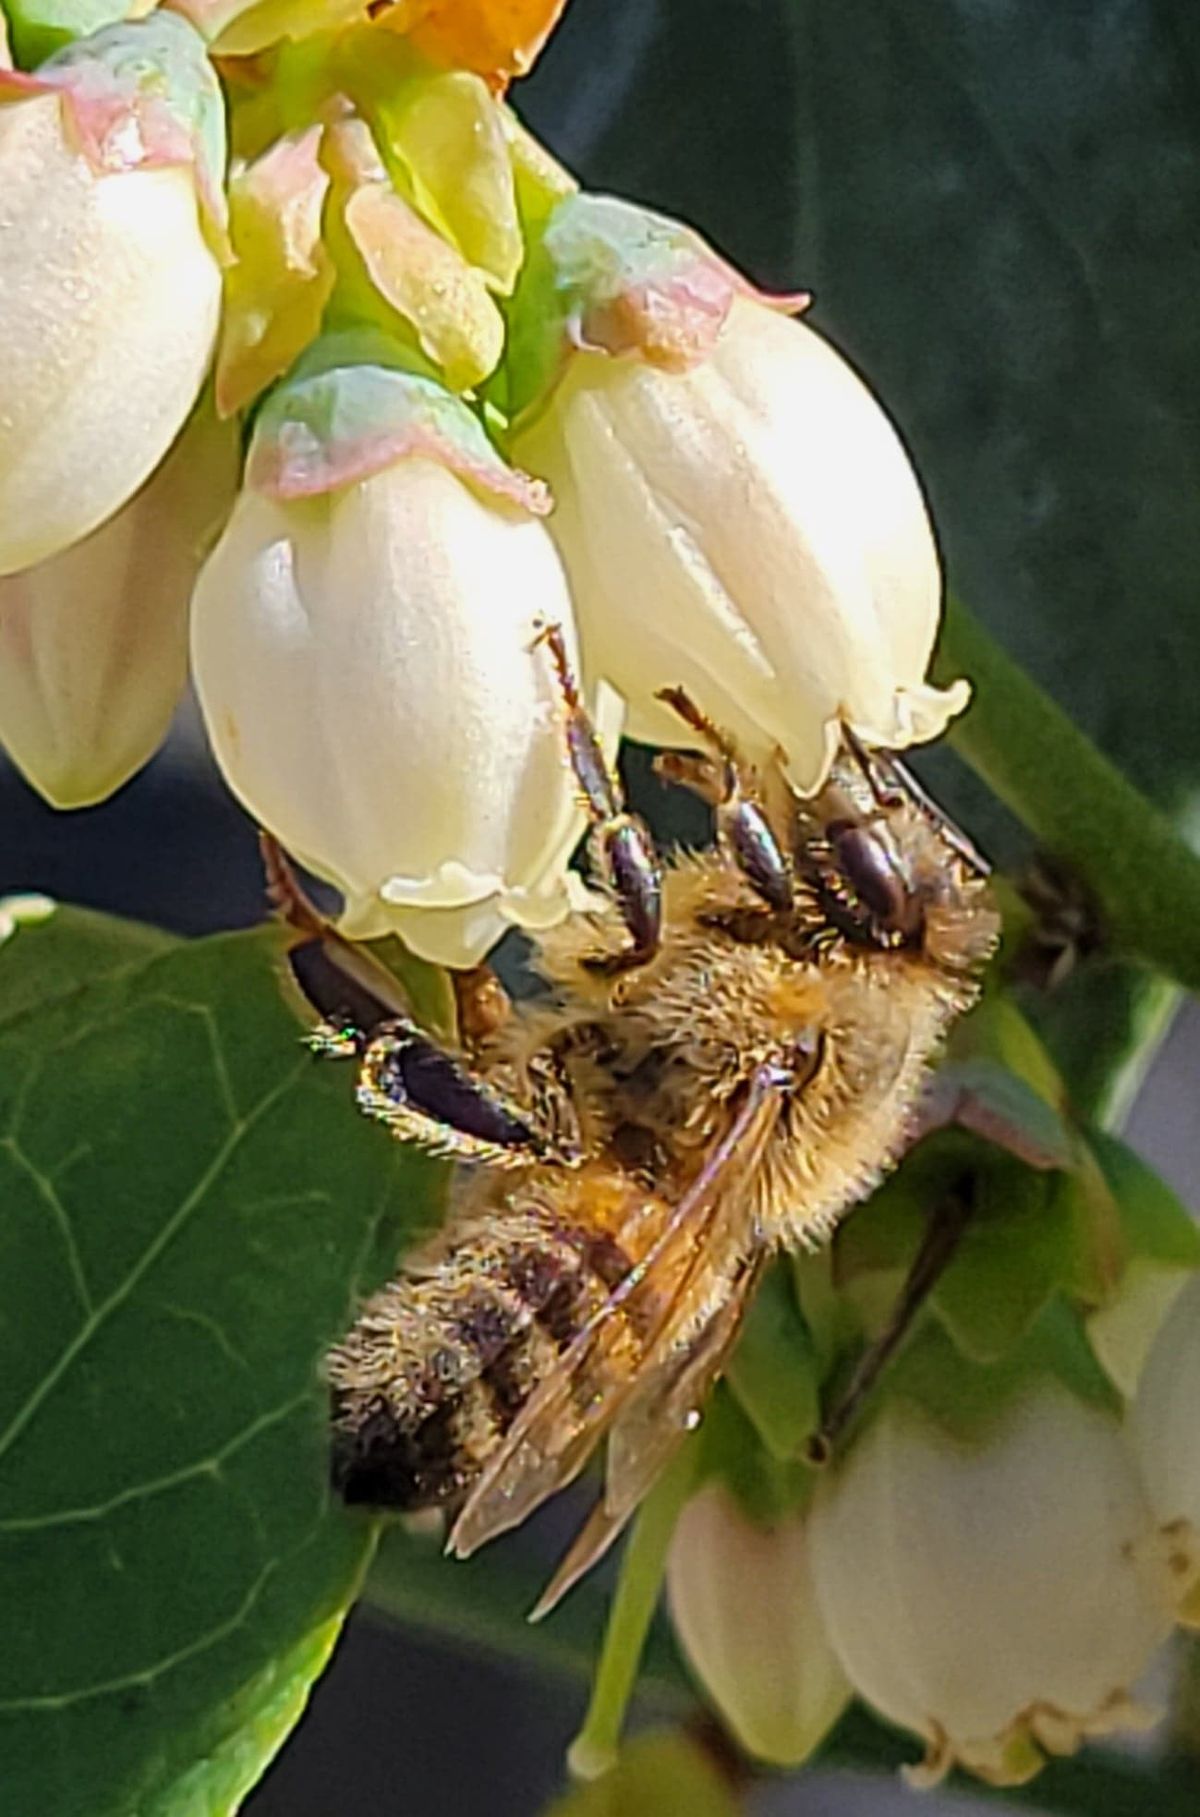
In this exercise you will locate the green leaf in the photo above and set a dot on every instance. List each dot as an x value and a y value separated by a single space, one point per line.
191 1212
656 1776
1015 1251
985 1097
766 1487
967 1396
65 954
1104 1025
1155 1221
774 1372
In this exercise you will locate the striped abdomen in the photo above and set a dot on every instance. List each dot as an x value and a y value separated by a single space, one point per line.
442 1360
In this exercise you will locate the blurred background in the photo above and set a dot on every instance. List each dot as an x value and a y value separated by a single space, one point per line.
994 202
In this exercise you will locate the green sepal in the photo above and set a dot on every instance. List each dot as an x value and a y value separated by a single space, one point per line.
773 1373
606 276
1014 1253
159 61
38 28
874 1248
732 1451
833 1326
968 1397
353 406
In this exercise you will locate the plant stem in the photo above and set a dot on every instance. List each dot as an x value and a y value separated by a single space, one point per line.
1145 881
594 1749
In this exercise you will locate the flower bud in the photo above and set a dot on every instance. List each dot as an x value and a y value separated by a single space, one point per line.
93 642
742 1602
109 291
998 1598
736 513
364 650
1166 1433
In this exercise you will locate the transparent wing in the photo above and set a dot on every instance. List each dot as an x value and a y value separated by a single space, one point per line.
656 1417
667 1399
667 1293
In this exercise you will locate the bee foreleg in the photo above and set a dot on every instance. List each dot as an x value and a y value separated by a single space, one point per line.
434 1099
729 788
620 844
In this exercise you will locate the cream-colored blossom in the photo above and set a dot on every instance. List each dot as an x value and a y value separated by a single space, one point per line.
367 663
94 642
109 294
742 1603
1000 1598
1165 1424
735 510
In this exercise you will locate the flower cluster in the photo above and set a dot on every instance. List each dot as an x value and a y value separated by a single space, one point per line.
323 383
473 401
1009 1528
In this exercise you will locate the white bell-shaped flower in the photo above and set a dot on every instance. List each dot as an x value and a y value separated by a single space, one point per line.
365 651
1165 1423
94 642
735 510
999 1598
742 1603
109 289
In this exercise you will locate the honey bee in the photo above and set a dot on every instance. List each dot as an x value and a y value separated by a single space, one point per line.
728 1058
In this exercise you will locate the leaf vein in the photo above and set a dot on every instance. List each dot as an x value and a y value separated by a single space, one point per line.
205 1466
171 1228
129 1681
48 1193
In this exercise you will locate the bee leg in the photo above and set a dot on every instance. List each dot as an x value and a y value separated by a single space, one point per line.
425 1094
620 844
350 991
722 781
934 1255
430 1097
482 1003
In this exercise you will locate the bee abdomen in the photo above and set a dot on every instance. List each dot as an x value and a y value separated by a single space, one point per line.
440 1363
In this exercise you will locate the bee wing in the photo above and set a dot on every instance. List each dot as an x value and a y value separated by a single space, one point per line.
656 1417
668 1396
558 1428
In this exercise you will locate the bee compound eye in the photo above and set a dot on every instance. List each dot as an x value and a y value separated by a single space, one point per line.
872 874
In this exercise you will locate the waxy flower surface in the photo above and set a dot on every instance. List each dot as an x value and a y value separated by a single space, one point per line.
94 642
1165 1419
109 287
1000 1598
743 1605
735 510
365 649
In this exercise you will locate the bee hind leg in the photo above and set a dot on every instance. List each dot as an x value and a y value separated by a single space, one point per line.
620 844
723 781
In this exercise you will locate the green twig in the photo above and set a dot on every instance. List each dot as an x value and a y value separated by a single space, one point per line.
1145 881
594 1749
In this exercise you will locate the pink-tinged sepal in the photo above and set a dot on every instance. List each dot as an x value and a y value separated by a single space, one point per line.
141 95
634 282
320 433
